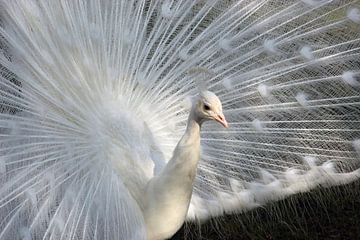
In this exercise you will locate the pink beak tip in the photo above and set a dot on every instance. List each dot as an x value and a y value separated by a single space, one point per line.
221 119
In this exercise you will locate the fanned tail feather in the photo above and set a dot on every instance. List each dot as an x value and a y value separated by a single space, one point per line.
93 102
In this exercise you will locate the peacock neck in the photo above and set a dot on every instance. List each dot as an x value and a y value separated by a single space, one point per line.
168 195
186 154
192 132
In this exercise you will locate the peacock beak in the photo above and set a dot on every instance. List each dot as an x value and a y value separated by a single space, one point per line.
221 119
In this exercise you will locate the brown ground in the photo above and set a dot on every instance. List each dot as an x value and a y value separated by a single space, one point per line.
309 217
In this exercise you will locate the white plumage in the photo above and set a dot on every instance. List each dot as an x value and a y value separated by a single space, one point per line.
95 96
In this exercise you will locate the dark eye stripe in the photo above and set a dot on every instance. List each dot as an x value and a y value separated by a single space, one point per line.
206 107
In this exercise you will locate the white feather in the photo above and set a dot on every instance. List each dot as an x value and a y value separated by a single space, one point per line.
227 83
92 107
225 44
258 125
307 53
264 90
302 99
354 14
270 46
350 78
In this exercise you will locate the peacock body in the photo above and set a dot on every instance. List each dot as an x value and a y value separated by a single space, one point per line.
95 96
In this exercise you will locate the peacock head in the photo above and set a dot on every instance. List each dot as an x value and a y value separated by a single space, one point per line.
208 107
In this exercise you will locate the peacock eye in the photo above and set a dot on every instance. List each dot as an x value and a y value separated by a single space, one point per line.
206 107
